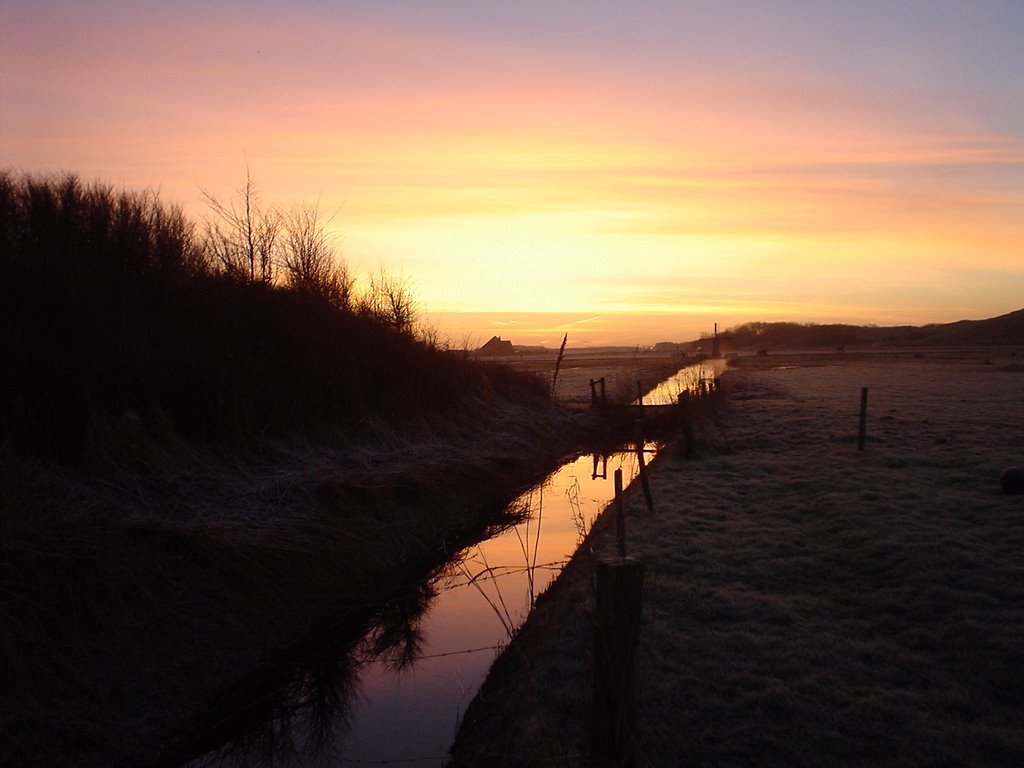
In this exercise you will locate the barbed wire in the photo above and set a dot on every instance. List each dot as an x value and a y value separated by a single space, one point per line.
458 653
505 570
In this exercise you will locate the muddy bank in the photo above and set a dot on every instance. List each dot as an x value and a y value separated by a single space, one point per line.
805 603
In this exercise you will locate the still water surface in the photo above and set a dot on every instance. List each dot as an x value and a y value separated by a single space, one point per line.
410 717
686 379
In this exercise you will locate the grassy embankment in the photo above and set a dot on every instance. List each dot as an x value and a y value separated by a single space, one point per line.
216 484
806 604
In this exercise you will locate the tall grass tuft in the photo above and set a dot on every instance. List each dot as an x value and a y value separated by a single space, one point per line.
558 361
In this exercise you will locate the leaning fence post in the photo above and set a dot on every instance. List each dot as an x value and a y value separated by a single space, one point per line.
863 418
645 483
616 640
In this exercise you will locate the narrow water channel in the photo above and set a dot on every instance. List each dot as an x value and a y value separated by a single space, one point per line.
409 717
688 379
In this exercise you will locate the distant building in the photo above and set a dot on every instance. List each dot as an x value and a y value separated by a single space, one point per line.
497 346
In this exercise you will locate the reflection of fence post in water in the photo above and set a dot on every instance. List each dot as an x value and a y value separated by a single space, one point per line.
603 474
862 432
616 640
645 483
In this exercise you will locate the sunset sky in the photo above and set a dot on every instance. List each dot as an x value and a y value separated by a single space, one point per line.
624 172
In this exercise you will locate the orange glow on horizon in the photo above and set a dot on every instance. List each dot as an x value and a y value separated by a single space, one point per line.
555 174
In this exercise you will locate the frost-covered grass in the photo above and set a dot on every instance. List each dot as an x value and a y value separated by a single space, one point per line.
809 604
151 611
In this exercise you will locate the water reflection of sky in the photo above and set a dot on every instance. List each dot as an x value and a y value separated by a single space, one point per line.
411 716
685 380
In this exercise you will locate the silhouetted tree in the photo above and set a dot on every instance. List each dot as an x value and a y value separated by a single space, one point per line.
390 298
310 262
243 237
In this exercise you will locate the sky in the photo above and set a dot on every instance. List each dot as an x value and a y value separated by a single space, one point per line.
625 173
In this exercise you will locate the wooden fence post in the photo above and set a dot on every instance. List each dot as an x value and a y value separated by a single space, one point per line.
684 404
618 611
862 433
645 483
620 514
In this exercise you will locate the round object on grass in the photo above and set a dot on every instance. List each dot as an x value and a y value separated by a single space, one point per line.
1011 480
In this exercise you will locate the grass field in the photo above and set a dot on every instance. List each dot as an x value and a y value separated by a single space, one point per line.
620 368
807 603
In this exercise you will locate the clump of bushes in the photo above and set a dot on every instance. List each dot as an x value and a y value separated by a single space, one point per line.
116 305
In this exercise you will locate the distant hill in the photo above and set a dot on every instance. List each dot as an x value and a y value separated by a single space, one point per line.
997 331
1005 329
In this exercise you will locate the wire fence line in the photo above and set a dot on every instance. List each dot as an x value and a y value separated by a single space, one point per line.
496 571
462 652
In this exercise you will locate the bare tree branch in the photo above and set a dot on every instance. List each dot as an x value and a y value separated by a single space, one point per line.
310 261
242 237
391 299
